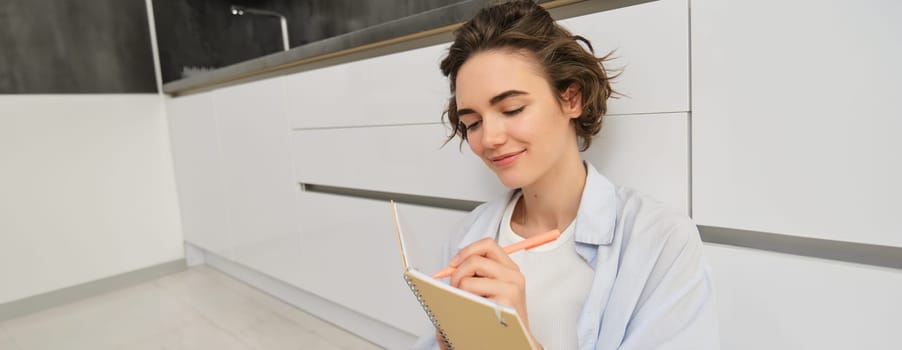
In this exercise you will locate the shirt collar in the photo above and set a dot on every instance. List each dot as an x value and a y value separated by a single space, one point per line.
595 218
597 214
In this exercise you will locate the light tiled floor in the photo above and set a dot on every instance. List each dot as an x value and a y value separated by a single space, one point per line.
200 308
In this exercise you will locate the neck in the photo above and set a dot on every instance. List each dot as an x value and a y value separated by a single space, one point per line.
553 200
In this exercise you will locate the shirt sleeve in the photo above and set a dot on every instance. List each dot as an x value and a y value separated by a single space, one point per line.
676 309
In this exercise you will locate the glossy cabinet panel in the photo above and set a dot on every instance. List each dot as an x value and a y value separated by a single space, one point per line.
401 88
650 42
257 182
646 152
195 148
795 123
769 300
350 254
649 153
405 159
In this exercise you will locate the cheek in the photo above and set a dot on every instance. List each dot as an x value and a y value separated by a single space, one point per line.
528 128
473 142
544 127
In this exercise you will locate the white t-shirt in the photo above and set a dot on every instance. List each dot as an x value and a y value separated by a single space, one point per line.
557 283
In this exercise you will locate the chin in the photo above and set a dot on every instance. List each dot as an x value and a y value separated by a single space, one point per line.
513 177
511 180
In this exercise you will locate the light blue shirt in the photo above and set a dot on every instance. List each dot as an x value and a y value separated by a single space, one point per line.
652 287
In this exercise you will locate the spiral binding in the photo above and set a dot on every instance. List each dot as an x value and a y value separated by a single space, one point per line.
429 313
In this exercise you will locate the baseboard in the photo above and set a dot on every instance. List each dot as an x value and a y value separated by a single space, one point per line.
82 291
352 321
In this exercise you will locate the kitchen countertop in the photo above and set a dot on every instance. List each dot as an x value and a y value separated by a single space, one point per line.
430 24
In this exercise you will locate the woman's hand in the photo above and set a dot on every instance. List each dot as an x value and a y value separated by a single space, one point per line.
483 268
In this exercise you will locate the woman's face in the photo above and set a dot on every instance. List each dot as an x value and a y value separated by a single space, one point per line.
513 118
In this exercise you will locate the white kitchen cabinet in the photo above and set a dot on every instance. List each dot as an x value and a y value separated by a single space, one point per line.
649 153
401 88
198 172
769 300
651 44
350 254
258 189
795 118
646 152
406 159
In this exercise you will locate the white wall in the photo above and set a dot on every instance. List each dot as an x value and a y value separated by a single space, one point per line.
86 190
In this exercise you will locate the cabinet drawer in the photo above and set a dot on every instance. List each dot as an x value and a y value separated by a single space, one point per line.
651 40
646 152
405 159
401 88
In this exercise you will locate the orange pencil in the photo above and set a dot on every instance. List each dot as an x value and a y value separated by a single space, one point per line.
528 243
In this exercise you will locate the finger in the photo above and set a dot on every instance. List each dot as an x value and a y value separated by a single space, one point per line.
485 247
501 292
479 266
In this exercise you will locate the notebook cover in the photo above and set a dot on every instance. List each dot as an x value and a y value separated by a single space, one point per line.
470 321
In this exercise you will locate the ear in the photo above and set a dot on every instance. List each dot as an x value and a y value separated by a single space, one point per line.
572 101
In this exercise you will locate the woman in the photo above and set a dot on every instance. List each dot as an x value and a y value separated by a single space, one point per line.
627 272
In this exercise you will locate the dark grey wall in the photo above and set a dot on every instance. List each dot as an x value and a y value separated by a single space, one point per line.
66 46
204 34
312 20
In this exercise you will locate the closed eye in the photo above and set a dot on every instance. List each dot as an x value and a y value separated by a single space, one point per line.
514 112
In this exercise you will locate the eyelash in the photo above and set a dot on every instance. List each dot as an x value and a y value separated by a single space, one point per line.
476 124
468 127
514 112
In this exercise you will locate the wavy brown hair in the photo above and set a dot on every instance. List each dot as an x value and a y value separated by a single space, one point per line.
523 25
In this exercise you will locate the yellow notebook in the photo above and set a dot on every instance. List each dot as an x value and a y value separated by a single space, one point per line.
464 320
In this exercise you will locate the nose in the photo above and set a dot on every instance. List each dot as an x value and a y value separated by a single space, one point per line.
494 132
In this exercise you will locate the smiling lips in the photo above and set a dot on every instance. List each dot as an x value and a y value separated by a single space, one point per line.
506 159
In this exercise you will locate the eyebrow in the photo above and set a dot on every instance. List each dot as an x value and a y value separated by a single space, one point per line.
494 100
